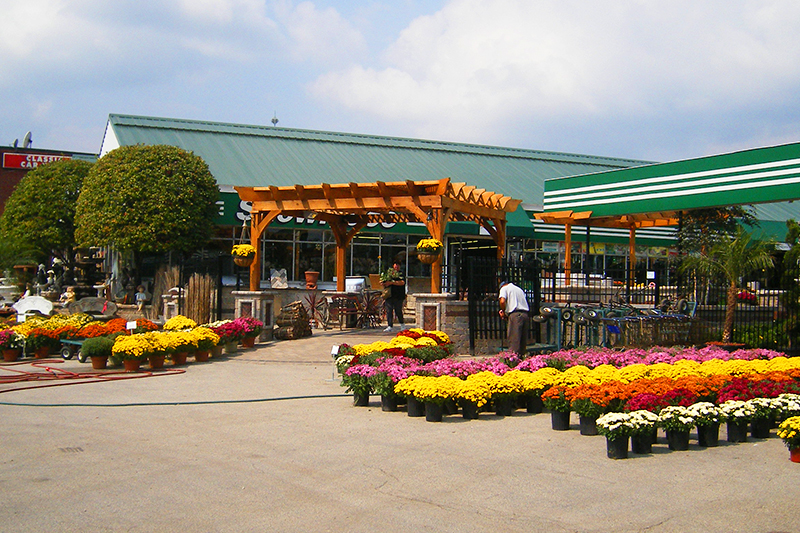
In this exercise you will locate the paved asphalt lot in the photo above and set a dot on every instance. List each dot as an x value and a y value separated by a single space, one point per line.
264 441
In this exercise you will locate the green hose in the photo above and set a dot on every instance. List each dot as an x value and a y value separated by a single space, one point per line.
201 402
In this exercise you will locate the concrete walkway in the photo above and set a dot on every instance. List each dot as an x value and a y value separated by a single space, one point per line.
219 448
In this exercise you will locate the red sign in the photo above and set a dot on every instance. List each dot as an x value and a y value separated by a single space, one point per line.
30 160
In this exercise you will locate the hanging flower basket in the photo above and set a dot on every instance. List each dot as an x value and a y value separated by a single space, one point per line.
427 257
428 250
243 261
243 254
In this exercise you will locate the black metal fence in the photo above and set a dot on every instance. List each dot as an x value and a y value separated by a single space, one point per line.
762 318
479 279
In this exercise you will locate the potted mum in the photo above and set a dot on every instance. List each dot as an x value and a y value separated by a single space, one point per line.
98 349
591 401
243 254
473 393
505 390
556 401
707 417
643 430
433 392
357 379
41 342
251 328
159 346
737 414
181 343
788 405
677 421
132 349
761 420
206 341
789 432
428 250
382 384
11 343
180 323
616 428
230 332
407 388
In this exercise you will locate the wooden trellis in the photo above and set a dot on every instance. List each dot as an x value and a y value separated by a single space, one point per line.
585 218
349 207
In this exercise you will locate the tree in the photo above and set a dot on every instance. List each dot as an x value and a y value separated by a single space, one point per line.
700 228
733 258
39 216
790 299
148 199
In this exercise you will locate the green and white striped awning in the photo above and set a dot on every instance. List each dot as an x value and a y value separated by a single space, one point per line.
660 191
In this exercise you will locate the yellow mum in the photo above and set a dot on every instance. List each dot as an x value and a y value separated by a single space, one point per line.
425 341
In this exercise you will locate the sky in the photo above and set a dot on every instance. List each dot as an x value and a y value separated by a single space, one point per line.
639 79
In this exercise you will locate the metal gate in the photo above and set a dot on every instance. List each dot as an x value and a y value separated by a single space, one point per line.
482 283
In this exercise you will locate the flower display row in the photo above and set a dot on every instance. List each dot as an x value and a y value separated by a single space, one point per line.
677 421
591 392
47 332
628 393
378 366
140 346
592 357
577 386
236 330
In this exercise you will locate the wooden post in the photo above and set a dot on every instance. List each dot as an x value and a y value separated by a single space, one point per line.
259 220
436 223
349 207
342 234
632 251
568 255
341 267
255 267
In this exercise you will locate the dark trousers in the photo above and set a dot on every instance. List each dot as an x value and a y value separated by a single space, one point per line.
394 305
518 326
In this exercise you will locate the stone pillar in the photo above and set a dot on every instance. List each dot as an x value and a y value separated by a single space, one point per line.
446 313
170 305
257 304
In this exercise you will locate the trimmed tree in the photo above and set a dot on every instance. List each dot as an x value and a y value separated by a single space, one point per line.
790 299
148 199
39 216
733 258
700 229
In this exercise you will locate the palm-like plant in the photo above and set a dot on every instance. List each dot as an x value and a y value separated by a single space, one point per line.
733 258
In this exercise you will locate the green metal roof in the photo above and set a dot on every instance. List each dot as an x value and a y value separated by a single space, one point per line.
770 174
252 155
263 155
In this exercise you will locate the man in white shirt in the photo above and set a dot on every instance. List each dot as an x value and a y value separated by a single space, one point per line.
514 308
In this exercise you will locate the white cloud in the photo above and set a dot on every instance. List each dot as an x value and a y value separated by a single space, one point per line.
318 35
217 11
485 65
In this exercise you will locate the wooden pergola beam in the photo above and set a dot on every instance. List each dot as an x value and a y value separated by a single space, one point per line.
631 222
432 203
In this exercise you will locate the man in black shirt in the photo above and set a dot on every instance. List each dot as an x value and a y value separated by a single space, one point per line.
394 303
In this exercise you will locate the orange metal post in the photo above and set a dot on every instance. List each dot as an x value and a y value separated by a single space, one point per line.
568 254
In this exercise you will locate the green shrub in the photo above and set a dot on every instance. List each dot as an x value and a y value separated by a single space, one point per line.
370 359
426 354
97 347
772 336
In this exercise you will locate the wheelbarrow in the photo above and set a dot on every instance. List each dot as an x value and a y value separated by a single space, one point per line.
70 347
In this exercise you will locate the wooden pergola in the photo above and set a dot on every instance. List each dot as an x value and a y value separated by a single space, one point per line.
585 218
349 207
